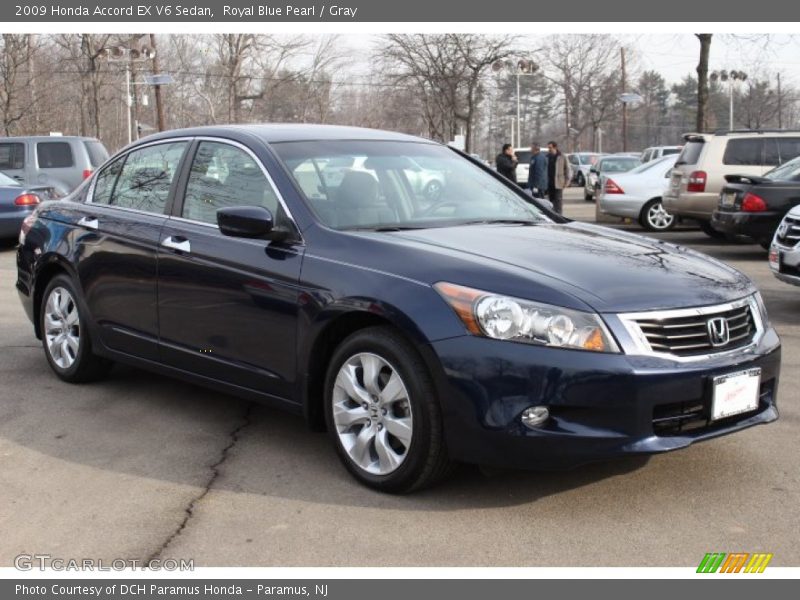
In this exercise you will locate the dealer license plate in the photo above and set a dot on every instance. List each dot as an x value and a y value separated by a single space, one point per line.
735 393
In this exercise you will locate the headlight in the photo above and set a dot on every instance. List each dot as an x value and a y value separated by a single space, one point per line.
513 319
762 309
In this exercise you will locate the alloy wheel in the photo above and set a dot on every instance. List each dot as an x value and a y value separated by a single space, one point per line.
372 413
62 327
658 218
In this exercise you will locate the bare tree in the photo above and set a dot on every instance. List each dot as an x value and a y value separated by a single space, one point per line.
702 80
16 77
447 70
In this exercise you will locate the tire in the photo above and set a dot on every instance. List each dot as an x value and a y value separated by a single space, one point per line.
654 218
765 243
580 181
65 339
587 197
710 231
407 454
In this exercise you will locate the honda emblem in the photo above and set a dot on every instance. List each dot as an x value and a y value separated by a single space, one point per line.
718 332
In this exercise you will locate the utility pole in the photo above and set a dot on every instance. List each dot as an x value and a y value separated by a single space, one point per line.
780 104
157 88
624 104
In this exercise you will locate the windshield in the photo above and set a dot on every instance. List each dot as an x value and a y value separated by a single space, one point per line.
619 165
399 185
6 180
788 171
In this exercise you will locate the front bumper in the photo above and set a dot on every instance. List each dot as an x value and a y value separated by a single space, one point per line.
601 405
785 263
694 205
755 225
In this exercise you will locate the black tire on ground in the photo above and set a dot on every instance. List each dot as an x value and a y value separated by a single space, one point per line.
706 227
86 365
587 197
426 460
579 180
645 220
765 243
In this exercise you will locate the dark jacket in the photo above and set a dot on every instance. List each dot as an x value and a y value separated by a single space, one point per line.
506 166
537 175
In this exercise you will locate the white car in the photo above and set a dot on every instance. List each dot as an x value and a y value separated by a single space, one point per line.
637 194
784 254
523 164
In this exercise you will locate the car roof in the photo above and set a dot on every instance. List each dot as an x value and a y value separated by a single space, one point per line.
47 138
289 132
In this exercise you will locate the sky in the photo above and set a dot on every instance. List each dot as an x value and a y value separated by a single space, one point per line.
672 55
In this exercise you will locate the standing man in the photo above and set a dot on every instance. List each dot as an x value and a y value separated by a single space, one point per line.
506 163
537 174
559 174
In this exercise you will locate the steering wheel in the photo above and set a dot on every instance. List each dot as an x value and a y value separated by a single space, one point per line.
439 205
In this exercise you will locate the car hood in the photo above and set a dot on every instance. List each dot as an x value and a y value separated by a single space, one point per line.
609 270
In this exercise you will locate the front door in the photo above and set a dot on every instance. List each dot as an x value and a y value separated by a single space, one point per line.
228 306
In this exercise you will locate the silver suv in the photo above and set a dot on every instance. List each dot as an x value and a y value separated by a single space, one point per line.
59 162
706 158
784 254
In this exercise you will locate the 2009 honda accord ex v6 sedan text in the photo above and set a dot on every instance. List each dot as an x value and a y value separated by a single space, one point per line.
299 265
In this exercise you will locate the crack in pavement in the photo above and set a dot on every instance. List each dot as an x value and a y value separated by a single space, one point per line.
215 472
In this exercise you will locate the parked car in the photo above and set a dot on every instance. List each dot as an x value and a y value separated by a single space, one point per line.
784 254
637 194
58 162
754 206
658 151
613 163
482 329
524 165
700 170
16 203
581 162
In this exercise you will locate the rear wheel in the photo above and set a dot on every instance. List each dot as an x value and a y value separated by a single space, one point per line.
587 196
382 413
66 341
655 218
710 231
579 180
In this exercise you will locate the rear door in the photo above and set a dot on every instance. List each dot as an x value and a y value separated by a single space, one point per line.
117 264
228 307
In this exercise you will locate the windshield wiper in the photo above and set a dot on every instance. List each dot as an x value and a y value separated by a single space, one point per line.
502 222
384 228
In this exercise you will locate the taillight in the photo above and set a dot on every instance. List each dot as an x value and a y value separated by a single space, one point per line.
26 200
753 203
611 187
87 173
697 182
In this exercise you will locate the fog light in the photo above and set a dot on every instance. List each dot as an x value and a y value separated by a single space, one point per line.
534 416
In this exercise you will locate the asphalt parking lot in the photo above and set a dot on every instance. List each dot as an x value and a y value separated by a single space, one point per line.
140 466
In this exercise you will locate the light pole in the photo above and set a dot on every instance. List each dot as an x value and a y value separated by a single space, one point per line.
522 68
731 77
127 56
627 98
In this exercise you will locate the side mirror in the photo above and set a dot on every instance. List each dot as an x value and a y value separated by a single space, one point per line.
245 221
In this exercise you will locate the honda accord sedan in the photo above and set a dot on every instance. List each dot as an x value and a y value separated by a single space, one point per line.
474 326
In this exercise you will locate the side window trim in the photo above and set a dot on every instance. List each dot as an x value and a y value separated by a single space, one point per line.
124 157
185 170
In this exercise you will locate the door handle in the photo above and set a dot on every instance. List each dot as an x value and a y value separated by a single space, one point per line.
89 222
177 243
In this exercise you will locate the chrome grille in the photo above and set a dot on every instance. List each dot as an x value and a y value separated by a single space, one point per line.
689 335
789 231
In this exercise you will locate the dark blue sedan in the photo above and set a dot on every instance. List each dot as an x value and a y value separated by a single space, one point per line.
298 266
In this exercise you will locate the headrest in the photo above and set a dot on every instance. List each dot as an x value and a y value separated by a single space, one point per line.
358 188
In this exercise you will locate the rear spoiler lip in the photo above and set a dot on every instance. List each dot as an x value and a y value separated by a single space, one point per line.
693 137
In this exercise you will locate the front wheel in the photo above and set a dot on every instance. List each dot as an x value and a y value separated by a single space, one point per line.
65 339
655 218
579 180
382 413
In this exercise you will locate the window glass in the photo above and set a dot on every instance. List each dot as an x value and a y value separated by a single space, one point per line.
789 148
666 151
54 155
104 184
788 171
691 152
620 164
6 181
12 156
746 151
223 175
146 177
